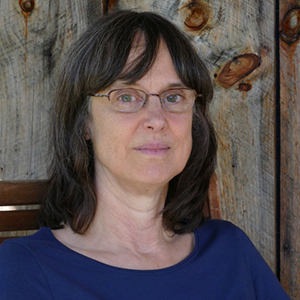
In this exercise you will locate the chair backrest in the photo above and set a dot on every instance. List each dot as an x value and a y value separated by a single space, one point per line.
19 205
20 201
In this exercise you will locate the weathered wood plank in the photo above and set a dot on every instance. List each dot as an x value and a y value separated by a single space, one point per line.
290 146
243 108
31 47
244 116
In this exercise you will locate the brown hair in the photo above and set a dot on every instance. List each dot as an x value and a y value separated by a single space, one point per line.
95 61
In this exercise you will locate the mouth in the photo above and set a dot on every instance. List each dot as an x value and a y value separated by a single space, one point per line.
153 149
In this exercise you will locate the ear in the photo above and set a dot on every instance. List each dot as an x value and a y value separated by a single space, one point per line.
87 136
87 132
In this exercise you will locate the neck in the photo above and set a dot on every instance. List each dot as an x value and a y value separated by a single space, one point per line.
130 220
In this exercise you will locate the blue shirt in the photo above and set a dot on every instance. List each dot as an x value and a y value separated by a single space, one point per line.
223 265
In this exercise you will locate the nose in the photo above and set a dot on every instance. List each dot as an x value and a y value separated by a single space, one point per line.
155 119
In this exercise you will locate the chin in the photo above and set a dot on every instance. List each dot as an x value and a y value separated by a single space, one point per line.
157 177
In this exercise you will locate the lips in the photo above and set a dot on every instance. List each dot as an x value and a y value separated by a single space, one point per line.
153 149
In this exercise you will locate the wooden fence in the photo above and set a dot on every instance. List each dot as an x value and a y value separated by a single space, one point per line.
251 49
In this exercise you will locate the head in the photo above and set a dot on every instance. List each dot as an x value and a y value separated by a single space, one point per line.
98 59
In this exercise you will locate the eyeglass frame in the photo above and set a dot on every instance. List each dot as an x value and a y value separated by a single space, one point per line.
147 97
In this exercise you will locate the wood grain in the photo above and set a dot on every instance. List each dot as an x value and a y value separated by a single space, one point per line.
32 45
290 146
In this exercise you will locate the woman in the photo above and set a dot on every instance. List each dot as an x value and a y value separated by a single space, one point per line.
134 151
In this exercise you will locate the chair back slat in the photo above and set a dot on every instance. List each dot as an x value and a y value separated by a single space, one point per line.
22 192
19 220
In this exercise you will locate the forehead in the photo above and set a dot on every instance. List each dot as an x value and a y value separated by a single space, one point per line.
161 75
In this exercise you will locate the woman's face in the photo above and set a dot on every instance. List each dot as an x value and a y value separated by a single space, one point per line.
145 148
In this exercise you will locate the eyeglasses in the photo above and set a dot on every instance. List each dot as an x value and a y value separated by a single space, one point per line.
131 100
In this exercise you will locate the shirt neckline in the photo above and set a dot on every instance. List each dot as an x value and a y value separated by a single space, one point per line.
89 260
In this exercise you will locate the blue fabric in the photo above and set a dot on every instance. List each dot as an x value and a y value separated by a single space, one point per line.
224 265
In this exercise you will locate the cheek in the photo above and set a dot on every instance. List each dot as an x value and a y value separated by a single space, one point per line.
110 141
188 144
185 127
184 136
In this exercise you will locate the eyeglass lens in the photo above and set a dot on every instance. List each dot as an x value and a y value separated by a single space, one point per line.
131 100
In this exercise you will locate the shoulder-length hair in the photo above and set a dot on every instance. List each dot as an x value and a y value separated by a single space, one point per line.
97 60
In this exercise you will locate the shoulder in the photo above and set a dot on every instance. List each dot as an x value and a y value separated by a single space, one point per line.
23 249
26 252
19 266
223 231
224 237
229 248
229 243
220 225
26 244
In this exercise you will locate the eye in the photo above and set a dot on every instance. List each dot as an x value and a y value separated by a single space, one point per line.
174 96
127 98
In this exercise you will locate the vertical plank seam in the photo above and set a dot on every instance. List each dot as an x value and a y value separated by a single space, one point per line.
277 140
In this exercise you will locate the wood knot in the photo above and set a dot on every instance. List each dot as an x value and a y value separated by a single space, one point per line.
286 247
291 26
27 5
245 87
196 14
238 68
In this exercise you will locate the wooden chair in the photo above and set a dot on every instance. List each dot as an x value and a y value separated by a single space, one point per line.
24 198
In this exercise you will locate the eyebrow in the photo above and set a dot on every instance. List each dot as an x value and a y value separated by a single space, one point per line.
176 85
